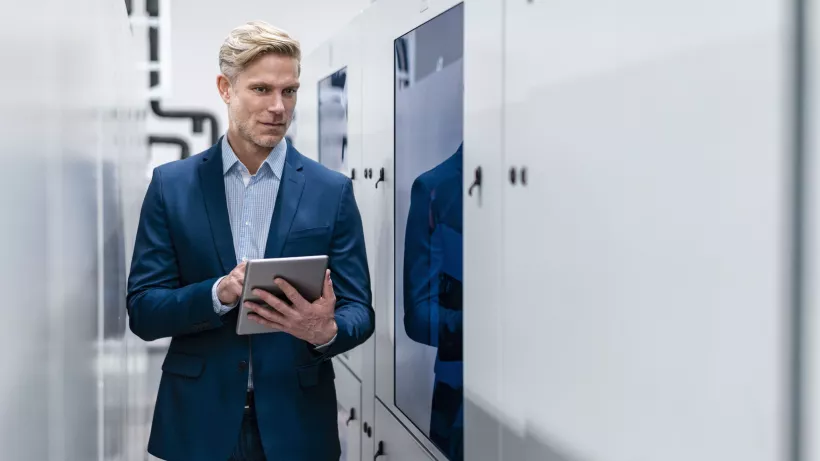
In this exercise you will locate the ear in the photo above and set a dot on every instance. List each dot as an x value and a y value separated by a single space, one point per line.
223 85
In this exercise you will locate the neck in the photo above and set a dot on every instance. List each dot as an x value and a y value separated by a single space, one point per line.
250 154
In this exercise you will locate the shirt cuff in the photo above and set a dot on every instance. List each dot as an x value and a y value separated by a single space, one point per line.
324 347
220 308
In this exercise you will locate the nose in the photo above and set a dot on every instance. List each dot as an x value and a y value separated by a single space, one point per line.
277 105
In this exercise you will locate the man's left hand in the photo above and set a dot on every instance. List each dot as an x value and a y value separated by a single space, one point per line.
312 322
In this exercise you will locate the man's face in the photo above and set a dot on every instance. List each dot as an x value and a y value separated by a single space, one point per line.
262 98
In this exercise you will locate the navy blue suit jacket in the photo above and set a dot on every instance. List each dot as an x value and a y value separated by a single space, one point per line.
183 246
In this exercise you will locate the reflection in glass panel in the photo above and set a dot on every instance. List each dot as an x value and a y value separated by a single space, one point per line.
333 120
428 204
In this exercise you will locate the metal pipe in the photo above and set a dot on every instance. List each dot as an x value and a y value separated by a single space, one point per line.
196 116
183 145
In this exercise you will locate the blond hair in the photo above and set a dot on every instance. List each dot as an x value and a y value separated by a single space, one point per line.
251 40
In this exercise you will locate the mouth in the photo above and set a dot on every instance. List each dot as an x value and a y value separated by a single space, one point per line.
277 125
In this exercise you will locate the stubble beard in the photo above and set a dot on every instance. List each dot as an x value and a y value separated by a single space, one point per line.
244 127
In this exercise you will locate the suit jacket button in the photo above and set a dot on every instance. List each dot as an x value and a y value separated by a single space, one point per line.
243 365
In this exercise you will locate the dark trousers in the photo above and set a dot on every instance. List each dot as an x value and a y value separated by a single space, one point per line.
249 445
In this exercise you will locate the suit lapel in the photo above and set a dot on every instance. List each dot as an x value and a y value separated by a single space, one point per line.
213 191
287 202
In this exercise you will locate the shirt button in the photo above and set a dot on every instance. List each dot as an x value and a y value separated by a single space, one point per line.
247 223
243 365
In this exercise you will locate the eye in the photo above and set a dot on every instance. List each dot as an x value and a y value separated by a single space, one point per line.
290 91
260 89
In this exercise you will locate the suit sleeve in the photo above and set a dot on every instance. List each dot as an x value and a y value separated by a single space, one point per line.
426 321
158 306
350 275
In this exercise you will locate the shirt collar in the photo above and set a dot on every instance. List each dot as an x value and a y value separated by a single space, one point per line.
274 159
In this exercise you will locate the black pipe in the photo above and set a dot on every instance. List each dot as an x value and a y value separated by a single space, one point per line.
153 44
152 8
196 116
183 145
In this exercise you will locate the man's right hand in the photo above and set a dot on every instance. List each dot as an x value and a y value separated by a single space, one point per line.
230 287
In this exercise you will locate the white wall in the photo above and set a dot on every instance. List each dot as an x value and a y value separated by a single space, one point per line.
197 31
72 121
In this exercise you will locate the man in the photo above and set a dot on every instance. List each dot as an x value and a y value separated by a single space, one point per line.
259 397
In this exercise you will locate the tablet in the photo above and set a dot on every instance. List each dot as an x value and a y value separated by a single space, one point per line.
305 273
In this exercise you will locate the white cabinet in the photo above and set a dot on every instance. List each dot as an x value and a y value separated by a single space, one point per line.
412 122
377 123
345 63
644 256
485 300
349 402
330 129
394 442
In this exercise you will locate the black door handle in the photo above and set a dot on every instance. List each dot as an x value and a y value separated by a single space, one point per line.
380 451
476 181
352 173
352 416
381 177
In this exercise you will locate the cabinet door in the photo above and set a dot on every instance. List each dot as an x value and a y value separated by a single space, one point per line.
304 129
414 118
328 127
646 253
485 301
377 129
394 442
349 404
341 148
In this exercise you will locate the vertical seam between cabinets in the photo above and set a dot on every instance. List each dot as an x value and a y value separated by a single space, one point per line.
502 189
797 240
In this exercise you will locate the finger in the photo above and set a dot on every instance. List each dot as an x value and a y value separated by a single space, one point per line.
274 302
267 323
269 315
327 290
295 298
240 269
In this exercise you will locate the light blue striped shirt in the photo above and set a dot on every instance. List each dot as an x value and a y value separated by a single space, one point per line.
250 200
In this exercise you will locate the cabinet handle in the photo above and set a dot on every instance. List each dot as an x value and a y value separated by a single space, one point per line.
367 430
523 176
380 451
352 173
476 181
352 416
512 175
381 177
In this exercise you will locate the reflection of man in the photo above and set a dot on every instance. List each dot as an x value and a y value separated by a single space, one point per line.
269 396
432 292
